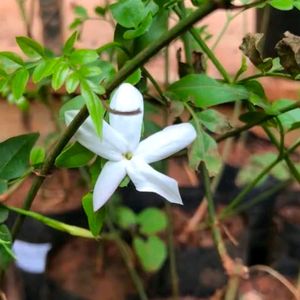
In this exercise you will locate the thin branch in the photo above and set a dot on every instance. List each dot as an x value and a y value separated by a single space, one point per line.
281 149
259 75
172 254
240 197
249 125
205 48
278 276
228 263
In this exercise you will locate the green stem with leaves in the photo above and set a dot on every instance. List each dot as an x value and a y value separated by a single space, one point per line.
186 38
249 125
241 196
216 232
281 149
205 48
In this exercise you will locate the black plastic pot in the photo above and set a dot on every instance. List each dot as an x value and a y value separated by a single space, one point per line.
286 254
38 286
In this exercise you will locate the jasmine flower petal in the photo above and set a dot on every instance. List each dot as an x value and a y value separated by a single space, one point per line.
166 142
127 98
146 179
112 144
108 181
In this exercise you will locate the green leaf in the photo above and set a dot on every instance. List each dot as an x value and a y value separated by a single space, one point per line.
257 163
6 253
3 214
70 229
297 4
75 103
44 69
129 13
95 219
140 30
214 120
19 82
37 155
125 217
243 68
95 87
101 11
152 252
256 93
290 120
282 4
95 168
74 156
89 71
60 75
30 47
83 56
72 82
12 58
252 116
135 77
124 182
205 149
108 71
158 27
14 155
81 11
76 23
3 186
152 220
69 44
94 106
205 91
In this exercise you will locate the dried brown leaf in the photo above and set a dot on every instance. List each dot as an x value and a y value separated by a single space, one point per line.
288 50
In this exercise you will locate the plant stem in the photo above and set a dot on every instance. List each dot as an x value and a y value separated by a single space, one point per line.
130 67
259 75
287 159
172 254
24 17
249 125
261 197
240 197
127 258
156 86
217 235
205 48
186 37
130 267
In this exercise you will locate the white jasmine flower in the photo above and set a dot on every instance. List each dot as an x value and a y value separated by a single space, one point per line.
126 154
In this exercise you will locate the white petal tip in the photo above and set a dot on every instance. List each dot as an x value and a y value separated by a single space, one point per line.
96 206
177 201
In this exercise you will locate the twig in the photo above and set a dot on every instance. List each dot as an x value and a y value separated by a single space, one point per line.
202 208
277 276
240 197
281 149
186 37
172 254
227 261
249 125
205 48
2 295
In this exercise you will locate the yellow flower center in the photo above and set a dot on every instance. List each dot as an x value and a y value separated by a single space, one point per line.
128 155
